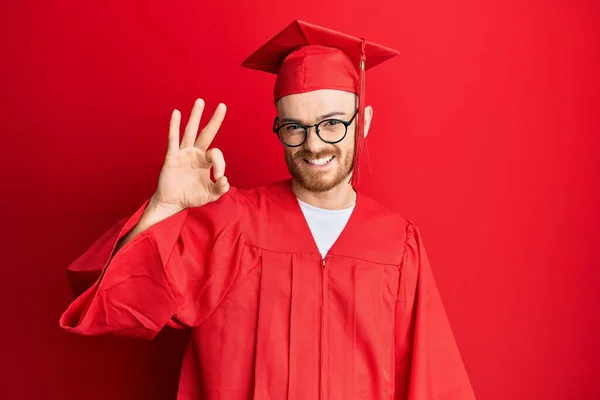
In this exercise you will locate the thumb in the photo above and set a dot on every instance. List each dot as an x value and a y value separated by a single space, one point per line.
220 187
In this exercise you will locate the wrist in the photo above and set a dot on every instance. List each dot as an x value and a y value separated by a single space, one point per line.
157 211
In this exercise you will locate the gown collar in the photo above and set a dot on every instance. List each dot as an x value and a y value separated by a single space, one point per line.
298 230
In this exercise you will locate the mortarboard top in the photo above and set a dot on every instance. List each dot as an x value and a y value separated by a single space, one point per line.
307 57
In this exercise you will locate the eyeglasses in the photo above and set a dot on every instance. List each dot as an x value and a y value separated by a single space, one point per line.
330 130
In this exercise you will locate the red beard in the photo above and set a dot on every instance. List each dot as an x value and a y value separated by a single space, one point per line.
314 180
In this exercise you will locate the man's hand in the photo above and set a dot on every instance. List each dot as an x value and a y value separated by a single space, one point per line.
185 180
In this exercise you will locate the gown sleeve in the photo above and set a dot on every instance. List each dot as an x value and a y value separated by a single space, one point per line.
428 363
175 273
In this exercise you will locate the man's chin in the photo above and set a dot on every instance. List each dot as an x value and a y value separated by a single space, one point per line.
317 184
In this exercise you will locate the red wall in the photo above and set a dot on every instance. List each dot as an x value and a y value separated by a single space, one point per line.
486 135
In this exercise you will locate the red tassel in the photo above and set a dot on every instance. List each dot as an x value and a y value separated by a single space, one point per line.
360 134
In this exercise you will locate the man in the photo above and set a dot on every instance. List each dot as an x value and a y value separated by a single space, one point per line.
302 289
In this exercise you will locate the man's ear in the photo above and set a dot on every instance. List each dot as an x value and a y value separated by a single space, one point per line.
368 118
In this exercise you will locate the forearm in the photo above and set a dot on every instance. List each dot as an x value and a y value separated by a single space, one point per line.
153 214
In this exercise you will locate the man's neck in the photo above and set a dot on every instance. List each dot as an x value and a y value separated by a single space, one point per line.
338 198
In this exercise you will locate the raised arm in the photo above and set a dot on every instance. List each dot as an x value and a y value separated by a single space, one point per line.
151 269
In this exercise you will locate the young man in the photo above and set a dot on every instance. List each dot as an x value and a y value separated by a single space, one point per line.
302 289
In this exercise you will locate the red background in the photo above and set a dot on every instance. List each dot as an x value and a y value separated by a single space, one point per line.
486 135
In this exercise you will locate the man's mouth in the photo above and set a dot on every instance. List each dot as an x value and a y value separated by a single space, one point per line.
319 162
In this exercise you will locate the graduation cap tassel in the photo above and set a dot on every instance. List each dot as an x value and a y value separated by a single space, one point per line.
360 125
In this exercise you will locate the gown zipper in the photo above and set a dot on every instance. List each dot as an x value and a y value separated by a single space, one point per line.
323 270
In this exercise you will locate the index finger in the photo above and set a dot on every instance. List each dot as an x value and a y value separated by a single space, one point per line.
209 132
174 132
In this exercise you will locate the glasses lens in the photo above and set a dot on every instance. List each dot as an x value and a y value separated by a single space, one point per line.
332 130
292 134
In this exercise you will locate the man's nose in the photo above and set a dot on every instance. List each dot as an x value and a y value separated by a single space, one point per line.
313 143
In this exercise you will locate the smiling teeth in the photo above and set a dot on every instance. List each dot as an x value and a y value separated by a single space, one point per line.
321 161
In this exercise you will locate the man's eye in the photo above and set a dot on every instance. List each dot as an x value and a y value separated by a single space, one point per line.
331 122
294 128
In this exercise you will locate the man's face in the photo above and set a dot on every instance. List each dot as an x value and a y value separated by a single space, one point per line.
316 165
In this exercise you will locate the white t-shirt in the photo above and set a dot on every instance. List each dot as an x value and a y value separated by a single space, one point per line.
325 225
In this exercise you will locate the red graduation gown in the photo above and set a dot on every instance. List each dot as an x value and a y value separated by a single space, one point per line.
270 318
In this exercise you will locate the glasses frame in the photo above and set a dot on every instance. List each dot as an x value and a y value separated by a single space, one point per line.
277 129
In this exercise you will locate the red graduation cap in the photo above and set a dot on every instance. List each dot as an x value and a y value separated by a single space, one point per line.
307 57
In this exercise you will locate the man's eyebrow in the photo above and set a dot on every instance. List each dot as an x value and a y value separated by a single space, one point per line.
287 120
331 114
